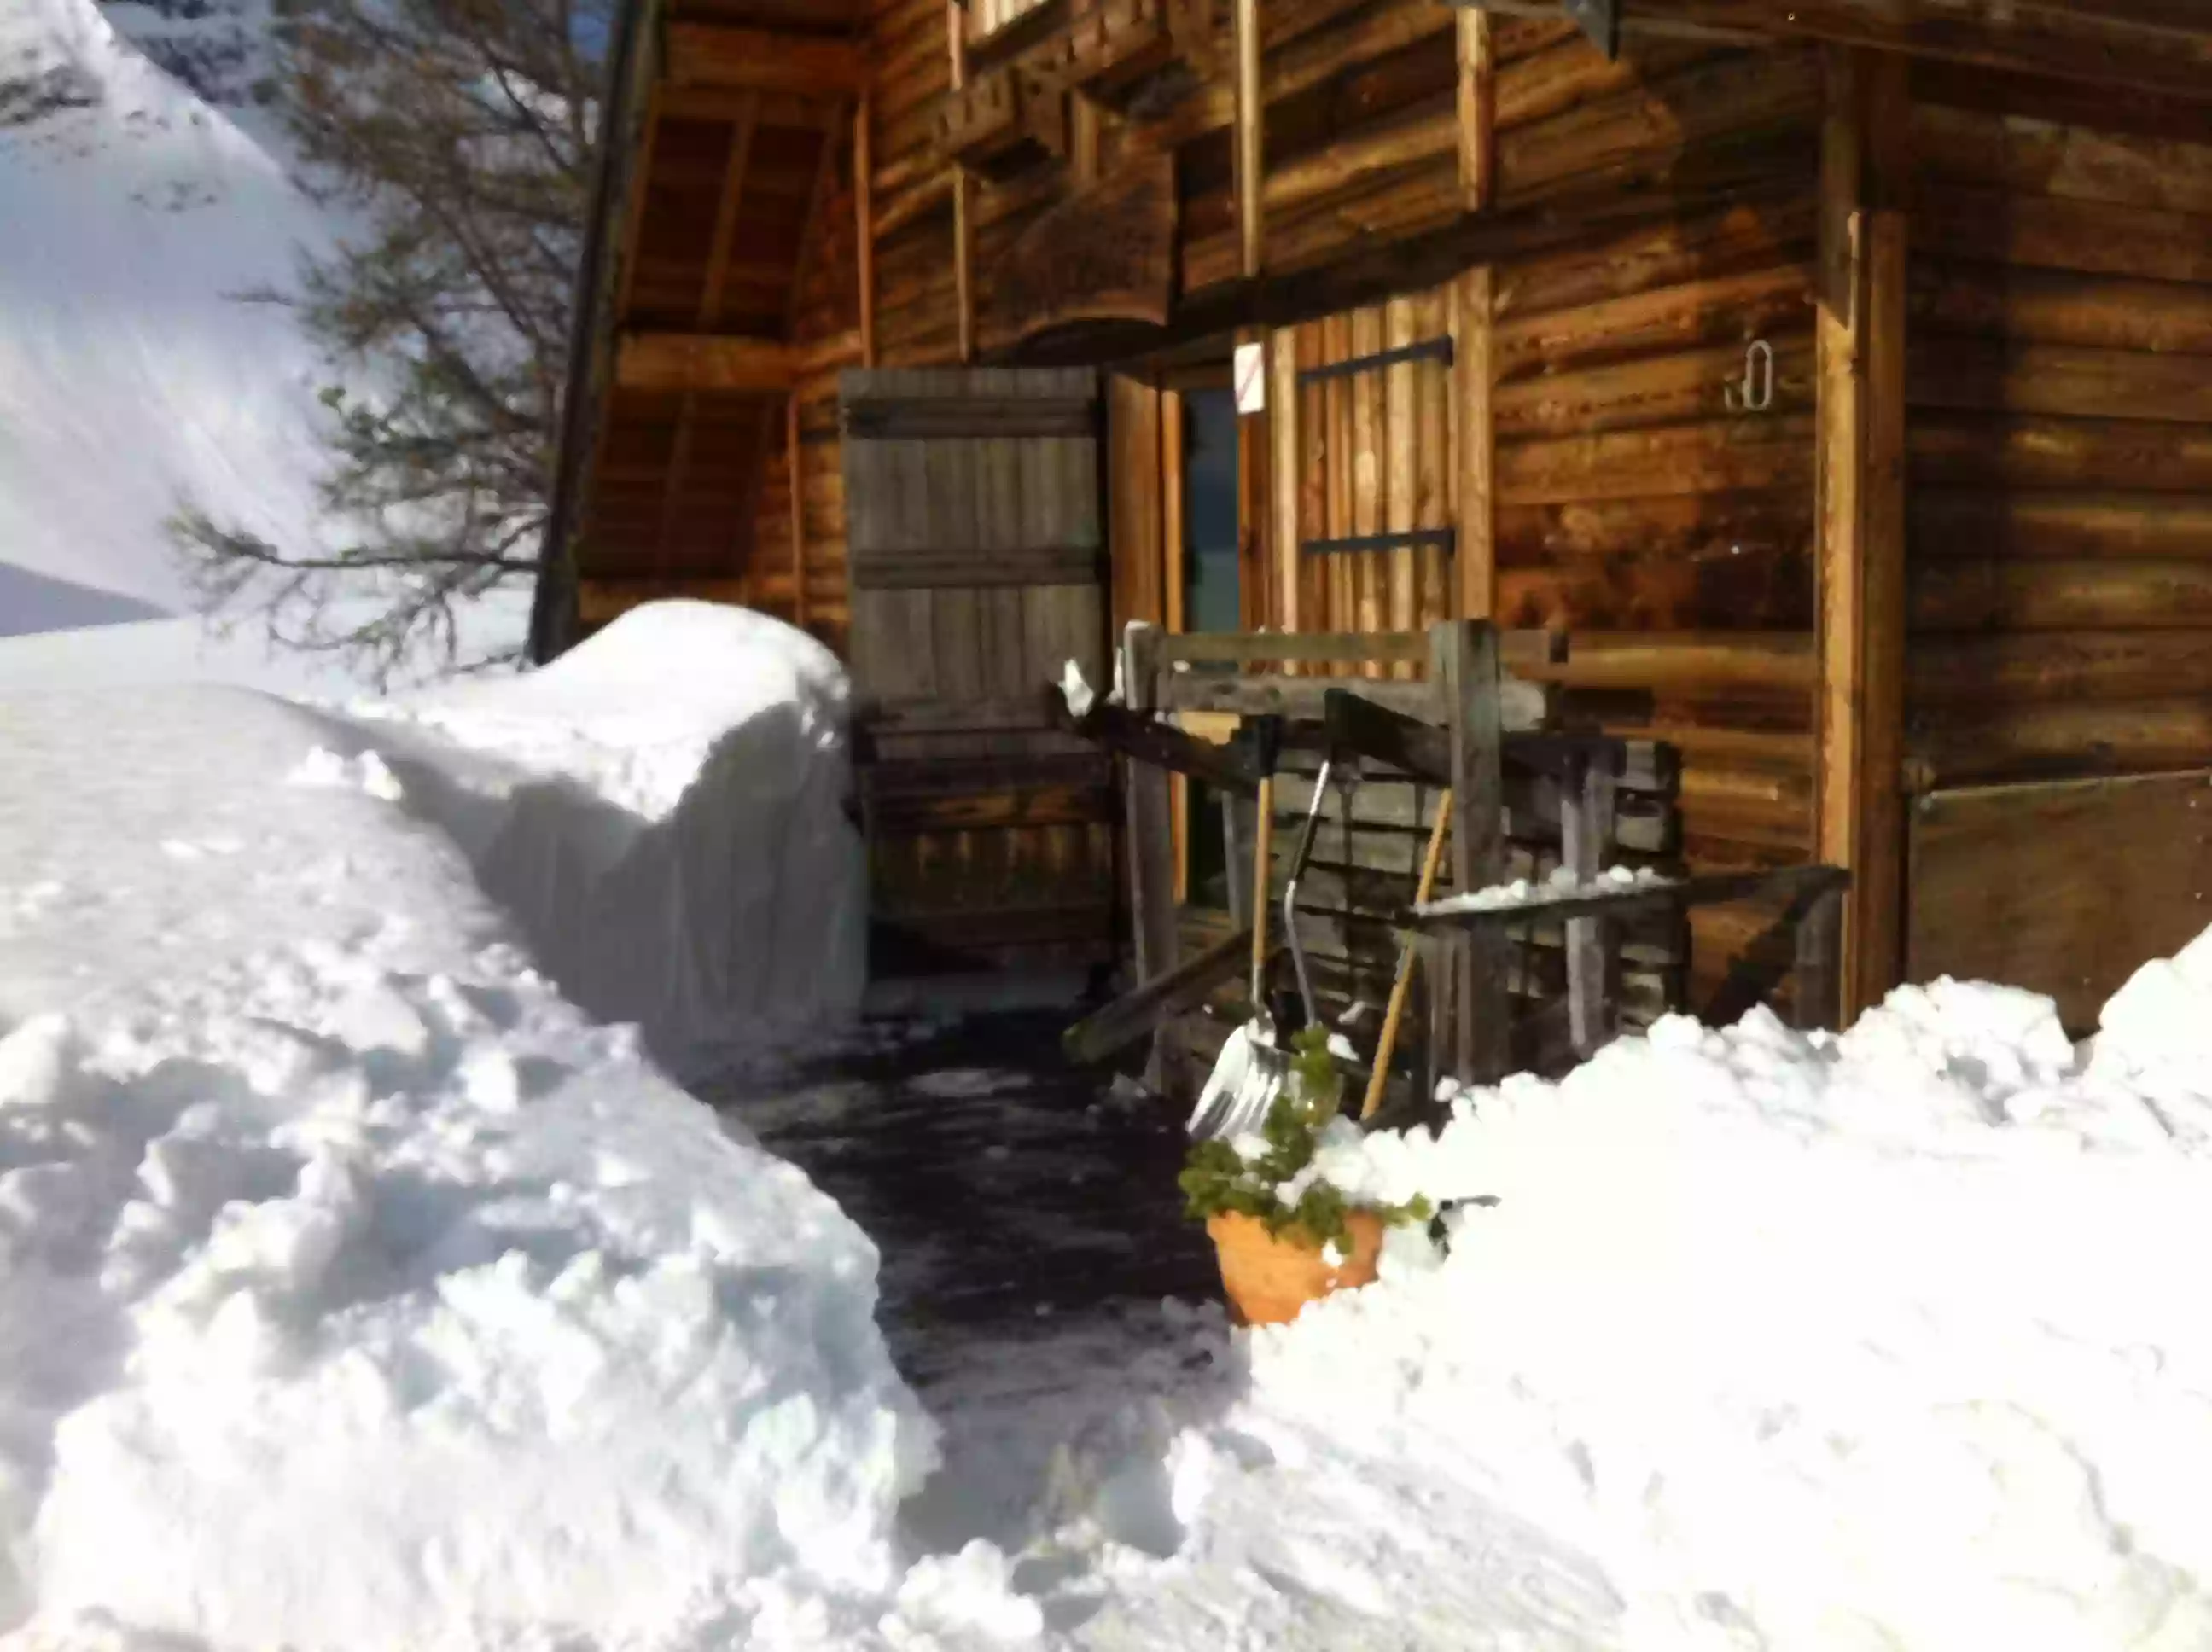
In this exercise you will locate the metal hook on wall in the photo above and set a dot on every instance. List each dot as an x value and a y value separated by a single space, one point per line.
1756 393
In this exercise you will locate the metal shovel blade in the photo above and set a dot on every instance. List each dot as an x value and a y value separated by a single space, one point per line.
1248 1076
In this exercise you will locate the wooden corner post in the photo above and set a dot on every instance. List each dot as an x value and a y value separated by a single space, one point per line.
1473 298
1860 469
1150 846
1463 665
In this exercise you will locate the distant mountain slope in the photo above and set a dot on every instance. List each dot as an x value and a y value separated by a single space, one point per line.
32 602
141 186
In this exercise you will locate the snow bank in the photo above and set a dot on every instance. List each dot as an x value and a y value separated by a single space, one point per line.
355 1290
665 817
1772 1341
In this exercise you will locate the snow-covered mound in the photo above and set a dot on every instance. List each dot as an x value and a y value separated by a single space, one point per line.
664 810
355 1290
1749 1339
135 212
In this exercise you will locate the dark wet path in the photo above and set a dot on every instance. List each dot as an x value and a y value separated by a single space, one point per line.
1004 1189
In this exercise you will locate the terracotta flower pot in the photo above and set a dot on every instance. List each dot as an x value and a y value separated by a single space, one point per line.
1269 1279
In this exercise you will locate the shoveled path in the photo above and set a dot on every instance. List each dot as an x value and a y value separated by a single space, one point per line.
1004 1188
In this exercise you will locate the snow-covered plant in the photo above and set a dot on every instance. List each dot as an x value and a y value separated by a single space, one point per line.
1247 1177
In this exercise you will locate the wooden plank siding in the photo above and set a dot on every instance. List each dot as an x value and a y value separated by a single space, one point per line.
2059 438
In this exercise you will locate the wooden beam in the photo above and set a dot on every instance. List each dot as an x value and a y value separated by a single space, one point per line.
1475 549
864 216
761 60
1250 150
716 282
1861 578
1478 103
1282 473
691 361
963 228
2103 40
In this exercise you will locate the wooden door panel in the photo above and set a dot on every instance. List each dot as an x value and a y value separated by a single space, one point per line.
976 563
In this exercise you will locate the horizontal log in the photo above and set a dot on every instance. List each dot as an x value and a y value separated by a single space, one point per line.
2076 40
1993 594
1965 223
1631 660
1672 389
1952 449
1248 647
700 362
2060 739
2074 162
1713 887
2058 380
1521 705
1684 526
2062 102
713 54
1738 93
1724 457
1763 586
1685 316
1966 522
1542 84
1723 747
1951 671
1773 228
2051 307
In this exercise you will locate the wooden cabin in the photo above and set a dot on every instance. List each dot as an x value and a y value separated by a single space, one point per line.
1838 376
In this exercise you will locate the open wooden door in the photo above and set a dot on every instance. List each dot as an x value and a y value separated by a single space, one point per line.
977 570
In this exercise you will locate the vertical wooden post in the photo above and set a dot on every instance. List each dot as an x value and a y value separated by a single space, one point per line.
1817 974
1587 817
1474 546
864 214
1473 302
1861 485
1282 439
1249 156
964 244
1477 98
1082 140
795 470
1463 662
1152 871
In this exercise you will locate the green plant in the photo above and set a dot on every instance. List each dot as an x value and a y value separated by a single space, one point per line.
1217 1180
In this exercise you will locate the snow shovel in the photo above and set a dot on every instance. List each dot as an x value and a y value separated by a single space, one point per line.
1253 1067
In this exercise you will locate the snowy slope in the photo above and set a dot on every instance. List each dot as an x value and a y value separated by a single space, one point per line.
355 1290
133 208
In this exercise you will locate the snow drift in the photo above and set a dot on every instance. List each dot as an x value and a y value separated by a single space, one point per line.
355 1290
1751 1340
665 815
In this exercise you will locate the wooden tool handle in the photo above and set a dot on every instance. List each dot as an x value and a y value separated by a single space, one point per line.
1379 1079
1263 851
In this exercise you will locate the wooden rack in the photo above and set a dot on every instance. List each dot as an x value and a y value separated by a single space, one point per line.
1532 989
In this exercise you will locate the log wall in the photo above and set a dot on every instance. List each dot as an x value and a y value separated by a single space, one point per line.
2059 433
1668 531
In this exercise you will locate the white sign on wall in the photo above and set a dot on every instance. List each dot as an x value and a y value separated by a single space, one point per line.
1251 378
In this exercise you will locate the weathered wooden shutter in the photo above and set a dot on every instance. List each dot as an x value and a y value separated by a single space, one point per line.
976 567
